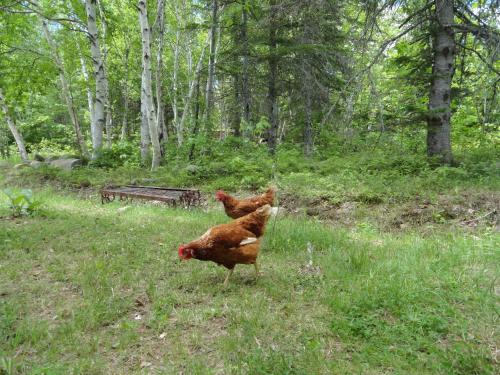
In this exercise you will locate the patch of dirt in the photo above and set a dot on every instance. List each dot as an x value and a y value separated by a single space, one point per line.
468 209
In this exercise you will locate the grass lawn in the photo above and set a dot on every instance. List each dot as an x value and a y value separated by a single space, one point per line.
89 289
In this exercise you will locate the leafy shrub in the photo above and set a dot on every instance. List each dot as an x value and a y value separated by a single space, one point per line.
22 203
119 154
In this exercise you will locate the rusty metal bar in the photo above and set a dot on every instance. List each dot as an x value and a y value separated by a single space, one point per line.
171 196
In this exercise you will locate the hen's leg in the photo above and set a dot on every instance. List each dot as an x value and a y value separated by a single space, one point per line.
257 272
227 277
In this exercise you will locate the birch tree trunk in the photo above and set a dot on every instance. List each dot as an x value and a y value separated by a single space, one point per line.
13 129
145 140
160 122
107 100
211 62
124 131
90 96
98 120
438 123
146 83
66 90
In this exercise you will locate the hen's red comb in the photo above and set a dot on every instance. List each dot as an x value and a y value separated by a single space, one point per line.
183 254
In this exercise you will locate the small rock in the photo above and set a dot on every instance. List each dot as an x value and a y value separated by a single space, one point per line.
192 168
122 209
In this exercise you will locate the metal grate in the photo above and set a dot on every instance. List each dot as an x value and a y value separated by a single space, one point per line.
171 196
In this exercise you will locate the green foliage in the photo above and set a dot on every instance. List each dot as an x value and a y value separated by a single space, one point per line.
22 203
119 154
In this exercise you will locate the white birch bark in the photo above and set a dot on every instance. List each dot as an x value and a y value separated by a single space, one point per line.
160 122
146 83
100 96
13 129
107 100
145 140
124 131
66 89
90 96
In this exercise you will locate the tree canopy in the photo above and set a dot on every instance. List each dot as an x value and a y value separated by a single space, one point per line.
176 76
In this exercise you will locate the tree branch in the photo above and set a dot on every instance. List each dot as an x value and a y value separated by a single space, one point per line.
490 66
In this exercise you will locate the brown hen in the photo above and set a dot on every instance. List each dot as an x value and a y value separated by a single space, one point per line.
229 244
236 208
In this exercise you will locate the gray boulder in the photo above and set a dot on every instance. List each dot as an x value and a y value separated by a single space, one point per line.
37 163
66 164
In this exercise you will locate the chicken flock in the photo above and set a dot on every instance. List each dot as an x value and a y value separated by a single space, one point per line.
237 242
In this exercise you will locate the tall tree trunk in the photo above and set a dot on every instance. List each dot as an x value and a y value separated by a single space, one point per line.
438 123
196 118
272 93
307 82
209 97
187 101
236 112
13 129
174 86
145 140
66 90
99 119
245 89
160 121
146 83
124 132
107 102
90 96
4 145
308 134
177 46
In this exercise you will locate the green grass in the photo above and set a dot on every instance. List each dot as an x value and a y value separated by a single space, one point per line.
86 289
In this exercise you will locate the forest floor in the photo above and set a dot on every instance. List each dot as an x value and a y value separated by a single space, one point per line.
91 288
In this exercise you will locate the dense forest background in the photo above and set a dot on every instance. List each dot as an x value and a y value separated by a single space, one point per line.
196 81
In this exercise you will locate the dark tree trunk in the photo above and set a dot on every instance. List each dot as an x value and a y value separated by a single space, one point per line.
211 61
245 90
308 134
272 94
236 115
438 123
